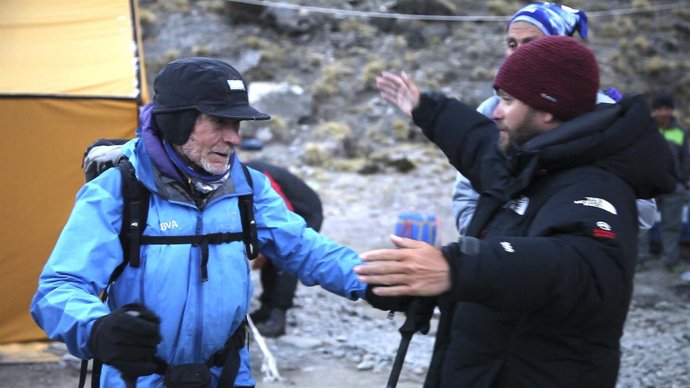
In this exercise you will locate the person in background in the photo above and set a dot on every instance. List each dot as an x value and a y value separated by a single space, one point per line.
180 315
532 22
670 205
279 286
537 293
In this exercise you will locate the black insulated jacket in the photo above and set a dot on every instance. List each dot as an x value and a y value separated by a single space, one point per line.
542 299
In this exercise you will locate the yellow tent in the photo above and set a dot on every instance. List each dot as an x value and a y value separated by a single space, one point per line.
71 71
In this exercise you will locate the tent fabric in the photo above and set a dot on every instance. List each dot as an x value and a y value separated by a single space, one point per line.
70 72
68 47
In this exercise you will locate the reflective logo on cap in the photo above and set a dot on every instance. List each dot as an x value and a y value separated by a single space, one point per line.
236 84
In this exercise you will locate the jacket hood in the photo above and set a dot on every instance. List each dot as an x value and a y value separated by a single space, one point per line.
621 139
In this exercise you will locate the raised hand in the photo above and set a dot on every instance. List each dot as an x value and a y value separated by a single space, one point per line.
399 90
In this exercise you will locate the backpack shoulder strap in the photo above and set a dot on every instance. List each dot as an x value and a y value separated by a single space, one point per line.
246 204
135 208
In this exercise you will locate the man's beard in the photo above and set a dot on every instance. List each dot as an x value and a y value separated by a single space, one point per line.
519 134
212 168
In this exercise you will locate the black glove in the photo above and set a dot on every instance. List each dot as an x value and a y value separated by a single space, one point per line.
386 303
126 339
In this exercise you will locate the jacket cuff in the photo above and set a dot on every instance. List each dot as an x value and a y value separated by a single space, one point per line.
423 114
453 256
91 344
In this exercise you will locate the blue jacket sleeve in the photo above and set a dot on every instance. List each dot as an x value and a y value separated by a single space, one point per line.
88 249
285 239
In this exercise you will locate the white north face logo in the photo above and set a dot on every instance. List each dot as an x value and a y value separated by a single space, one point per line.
519 205
598 203
508 247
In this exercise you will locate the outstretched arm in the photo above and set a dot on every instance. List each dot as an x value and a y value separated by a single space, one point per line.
399 90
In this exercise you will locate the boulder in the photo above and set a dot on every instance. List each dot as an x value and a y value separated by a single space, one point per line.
289 105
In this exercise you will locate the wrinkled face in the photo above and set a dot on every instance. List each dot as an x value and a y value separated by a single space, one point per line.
212 143
516 121
663 116
520 33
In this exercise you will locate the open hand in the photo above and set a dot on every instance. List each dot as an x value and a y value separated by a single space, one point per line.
399 90
415 268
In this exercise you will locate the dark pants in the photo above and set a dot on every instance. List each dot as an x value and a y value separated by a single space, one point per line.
671 207
278 287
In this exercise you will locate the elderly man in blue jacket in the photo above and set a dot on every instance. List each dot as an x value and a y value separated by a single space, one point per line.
181 312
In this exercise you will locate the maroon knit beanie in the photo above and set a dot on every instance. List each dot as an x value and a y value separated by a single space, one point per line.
555 74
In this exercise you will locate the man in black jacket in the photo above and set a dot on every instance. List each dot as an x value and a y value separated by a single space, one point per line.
279 286
537 293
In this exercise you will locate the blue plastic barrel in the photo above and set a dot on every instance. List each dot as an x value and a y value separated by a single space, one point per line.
418 226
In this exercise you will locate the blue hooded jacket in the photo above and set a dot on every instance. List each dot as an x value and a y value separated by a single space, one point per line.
196 317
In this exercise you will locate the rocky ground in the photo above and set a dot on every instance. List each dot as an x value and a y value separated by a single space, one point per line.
369 163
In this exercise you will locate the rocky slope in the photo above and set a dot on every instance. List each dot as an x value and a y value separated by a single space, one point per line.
641 47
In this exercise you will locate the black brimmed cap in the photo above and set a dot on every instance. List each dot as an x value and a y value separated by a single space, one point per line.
207 85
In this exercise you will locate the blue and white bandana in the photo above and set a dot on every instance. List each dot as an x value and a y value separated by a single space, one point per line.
553 19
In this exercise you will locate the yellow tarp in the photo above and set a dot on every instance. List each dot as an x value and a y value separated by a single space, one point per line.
69 74
75 48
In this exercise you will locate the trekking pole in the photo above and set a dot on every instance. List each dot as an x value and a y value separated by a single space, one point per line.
418 317
399 360
422 227
268 366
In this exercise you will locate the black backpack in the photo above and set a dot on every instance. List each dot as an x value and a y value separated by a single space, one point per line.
134 214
